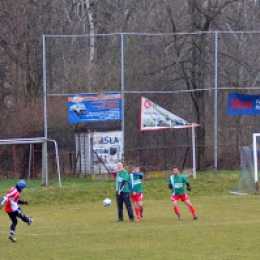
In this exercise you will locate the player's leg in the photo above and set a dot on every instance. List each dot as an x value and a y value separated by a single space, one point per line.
141 208
126 198
191 207
137 210
13 218
134 200
21 215
176 208
140 203
119 201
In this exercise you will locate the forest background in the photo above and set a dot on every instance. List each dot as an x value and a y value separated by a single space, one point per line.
178 60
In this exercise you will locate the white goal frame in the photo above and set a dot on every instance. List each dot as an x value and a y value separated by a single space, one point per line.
43 141
255 135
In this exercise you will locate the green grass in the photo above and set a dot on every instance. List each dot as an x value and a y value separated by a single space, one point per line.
72 223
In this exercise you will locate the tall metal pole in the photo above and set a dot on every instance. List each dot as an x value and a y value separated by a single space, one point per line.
44 85
45 179
194 151
216 106
123 95
255 158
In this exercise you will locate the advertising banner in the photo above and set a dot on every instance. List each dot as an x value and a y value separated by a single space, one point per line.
91 108
107 150
154 117
242 104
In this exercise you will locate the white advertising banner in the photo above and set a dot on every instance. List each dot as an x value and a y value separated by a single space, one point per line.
107 150
154 117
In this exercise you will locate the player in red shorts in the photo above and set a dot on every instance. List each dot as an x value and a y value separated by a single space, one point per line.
12 208
176 184
136 187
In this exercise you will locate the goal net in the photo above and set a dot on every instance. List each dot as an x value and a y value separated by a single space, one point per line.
250 164
37 140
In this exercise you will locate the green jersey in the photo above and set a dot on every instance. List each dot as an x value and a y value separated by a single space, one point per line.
136 181
178 184
121 177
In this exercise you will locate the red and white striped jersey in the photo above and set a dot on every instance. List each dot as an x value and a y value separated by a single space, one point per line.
11 199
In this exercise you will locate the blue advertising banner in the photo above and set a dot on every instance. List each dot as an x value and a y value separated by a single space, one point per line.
91 108
242 104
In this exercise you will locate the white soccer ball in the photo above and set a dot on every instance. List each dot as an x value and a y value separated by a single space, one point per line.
107 202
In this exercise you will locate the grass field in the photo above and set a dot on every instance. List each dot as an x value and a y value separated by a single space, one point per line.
72 223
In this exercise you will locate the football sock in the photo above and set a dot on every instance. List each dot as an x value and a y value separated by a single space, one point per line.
137 212
192 210
177 211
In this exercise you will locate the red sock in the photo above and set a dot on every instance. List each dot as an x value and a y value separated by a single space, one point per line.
141 211
192 210
137 212
177 210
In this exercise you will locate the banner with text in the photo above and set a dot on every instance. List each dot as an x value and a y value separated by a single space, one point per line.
91 108
154 117
108 148
243 104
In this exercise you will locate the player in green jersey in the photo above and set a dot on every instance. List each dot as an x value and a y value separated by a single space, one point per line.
176 184
122 192
136 188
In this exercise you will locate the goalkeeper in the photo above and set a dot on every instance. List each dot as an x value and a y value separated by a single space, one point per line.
176 184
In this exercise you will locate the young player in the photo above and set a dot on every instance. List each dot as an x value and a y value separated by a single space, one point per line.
176 184
12 201
136 188
122 192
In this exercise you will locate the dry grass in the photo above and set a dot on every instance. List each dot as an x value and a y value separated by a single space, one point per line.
228 228
72 223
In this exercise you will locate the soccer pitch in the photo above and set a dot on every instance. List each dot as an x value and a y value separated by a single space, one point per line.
228 228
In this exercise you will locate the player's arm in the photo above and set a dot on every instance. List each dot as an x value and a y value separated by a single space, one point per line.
139 175
130 183
130 186
187 184
23 202
3 200
114 172
122 185
170 184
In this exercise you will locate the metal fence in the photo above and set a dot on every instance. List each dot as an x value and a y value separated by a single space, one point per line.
170 69
189 74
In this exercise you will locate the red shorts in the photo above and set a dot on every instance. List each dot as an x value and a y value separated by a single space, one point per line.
181 197
137 197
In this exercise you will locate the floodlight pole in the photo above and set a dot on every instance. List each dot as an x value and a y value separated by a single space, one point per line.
45 179
30 161
216 106
123 95
44 85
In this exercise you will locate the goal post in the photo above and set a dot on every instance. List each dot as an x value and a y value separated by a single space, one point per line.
43 141
249 162
256 147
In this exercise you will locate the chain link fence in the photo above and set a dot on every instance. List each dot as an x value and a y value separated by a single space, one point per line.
189 74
